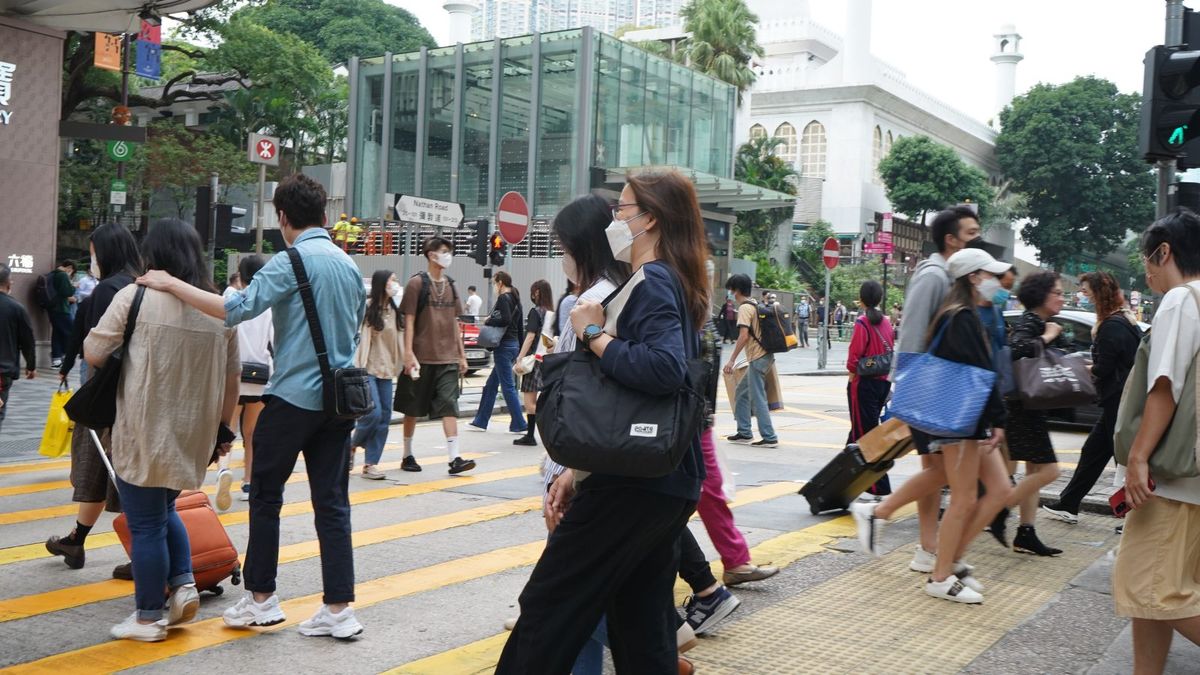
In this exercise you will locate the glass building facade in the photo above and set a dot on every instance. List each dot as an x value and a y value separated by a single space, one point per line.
548 115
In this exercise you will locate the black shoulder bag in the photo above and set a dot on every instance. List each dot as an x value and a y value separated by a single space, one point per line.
875 365
592 422
95 404
345 391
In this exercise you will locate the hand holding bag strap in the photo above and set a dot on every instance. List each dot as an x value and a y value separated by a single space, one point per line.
314 326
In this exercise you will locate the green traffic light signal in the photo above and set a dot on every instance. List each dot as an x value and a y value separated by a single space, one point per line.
1177 136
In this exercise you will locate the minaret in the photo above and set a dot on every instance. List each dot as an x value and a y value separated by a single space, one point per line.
856 43
1008 55
461 13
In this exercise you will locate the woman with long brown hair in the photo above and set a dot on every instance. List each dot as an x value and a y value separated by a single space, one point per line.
381 352
1115 340
613 549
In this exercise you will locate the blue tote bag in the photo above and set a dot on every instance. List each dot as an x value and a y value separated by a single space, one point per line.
940 397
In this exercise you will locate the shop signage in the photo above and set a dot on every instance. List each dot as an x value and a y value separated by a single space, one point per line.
7 71
20 263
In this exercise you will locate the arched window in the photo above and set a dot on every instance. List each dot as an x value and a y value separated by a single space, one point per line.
876 154
758 131
786 150
887 144
811 162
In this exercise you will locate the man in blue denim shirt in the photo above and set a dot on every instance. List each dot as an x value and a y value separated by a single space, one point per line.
294 420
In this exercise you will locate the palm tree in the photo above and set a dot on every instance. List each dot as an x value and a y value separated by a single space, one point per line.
757 164
722 41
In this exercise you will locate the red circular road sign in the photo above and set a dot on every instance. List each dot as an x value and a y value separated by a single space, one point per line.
266 148
512 217
830 252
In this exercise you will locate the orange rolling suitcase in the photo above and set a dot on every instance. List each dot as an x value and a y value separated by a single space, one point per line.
214 558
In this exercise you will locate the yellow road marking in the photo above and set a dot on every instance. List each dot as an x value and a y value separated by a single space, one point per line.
817 415
30 467
34 487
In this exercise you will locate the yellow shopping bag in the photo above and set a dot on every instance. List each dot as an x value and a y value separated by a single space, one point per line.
56 438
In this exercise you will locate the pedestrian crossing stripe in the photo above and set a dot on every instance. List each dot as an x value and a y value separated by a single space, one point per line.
32 467
15 490
119 655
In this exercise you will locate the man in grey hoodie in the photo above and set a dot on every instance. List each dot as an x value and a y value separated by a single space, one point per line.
952 230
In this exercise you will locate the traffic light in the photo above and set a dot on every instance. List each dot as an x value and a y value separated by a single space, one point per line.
496 248
226 213
479 242
1171 105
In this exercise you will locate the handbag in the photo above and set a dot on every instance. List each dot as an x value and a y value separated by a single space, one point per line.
95 404
1177 454
490 336
877 365
1051 379
56 436
346 392
591 422
524 365
255 373
1002 363
938 396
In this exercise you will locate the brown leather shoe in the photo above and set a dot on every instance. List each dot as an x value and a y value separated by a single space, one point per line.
72 554
686 667
756 573
124 572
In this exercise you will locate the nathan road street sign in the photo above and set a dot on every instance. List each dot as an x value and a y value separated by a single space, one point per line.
422 211
830 252
263 150
512 217
119 151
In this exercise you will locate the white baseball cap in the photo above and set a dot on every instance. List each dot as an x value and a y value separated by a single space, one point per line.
971 260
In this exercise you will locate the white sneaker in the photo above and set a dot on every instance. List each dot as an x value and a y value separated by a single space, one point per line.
342 625
475 427
952 589
869 527
370 472
247 612
183 605
923 561
224 483
966 574
130 629
1059 514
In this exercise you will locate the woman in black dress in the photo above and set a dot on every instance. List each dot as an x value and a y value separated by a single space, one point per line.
531 382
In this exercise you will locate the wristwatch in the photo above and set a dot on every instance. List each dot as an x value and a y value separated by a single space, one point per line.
591 332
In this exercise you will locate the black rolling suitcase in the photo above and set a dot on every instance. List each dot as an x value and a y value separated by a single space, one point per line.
842 480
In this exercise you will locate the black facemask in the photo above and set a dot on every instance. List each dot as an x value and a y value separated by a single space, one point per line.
977 242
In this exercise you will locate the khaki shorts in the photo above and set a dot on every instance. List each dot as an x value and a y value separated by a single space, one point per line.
1157 573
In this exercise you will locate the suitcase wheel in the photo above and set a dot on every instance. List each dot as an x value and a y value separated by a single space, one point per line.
813 509
236 578
216 590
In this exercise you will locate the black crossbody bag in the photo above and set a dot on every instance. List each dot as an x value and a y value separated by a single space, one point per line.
346 393
95 404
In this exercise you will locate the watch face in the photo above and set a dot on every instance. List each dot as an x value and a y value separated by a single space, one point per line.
592 330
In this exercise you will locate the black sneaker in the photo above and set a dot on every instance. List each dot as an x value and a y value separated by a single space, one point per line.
124 572
1027 541
764 443
410 464
738 438
703 614
71 553
526 440
460 465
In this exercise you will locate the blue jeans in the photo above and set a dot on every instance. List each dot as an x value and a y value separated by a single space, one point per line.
502 377
372 430
752 395
161 553
591 658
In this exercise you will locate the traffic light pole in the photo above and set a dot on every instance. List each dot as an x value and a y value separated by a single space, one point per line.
1173 37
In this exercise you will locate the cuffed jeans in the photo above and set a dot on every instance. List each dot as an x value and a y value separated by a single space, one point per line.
752 396
161 553
283 433
502 377
372 430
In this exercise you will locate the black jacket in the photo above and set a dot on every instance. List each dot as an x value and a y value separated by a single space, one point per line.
507 313
1027 332
1113 350
16 338
89 314
965 341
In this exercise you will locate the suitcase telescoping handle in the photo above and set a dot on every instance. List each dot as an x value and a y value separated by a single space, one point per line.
103 456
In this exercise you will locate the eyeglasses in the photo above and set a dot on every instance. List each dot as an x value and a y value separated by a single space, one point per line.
616 212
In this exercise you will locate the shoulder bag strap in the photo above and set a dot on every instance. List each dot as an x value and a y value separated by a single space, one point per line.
133 315
314 324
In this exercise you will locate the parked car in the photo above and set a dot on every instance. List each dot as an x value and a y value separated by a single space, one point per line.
1077 331
477 357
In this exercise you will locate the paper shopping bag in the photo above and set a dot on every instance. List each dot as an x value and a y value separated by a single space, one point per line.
890 440
56 437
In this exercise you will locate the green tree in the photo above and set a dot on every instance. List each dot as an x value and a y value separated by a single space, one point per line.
181 161
922 175
722 40
340 29
757 164
1072 149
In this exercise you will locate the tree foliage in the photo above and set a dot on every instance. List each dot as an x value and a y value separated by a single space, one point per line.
183 161
812 242
1072 149
723 40
922 175
340 29
757 164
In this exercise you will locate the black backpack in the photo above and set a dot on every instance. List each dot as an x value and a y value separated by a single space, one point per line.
774 328
423 297
43 291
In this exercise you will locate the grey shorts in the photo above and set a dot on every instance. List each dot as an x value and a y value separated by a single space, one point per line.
89 476
434 395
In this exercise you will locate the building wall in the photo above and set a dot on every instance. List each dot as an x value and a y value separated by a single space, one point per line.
32 57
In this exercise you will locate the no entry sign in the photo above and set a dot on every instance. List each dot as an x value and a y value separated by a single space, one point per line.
512 217
830 252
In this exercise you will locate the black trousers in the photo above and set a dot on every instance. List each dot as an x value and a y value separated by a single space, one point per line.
1096 454
60 333
693 564
283 433
615 553
867 396
5 387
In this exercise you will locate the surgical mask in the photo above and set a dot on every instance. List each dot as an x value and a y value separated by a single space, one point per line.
620 240
444 259
1000 299
94 268
569 268
988 287
393 289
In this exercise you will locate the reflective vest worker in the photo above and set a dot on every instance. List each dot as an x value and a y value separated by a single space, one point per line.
353 229
339 231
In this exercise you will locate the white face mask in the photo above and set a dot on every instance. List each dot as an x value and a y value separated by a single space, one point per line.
569 268
988 287
94 268
393 289
620 240
444 259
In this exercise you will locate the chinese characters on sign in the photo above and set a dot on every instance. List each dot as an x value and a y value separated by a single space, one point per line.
108 52
20 264
6 79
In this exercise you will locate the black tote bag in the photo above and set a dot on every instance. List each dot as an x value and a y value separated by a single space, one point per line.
1052 380
95 404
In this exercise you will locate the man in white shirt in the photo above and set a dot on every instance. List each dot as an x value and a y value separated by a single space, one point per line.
474 302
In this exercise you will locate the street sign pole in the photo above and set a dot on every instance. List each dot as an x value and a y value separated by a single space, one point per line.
124 88
258 210
885 266
212 228
823 329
